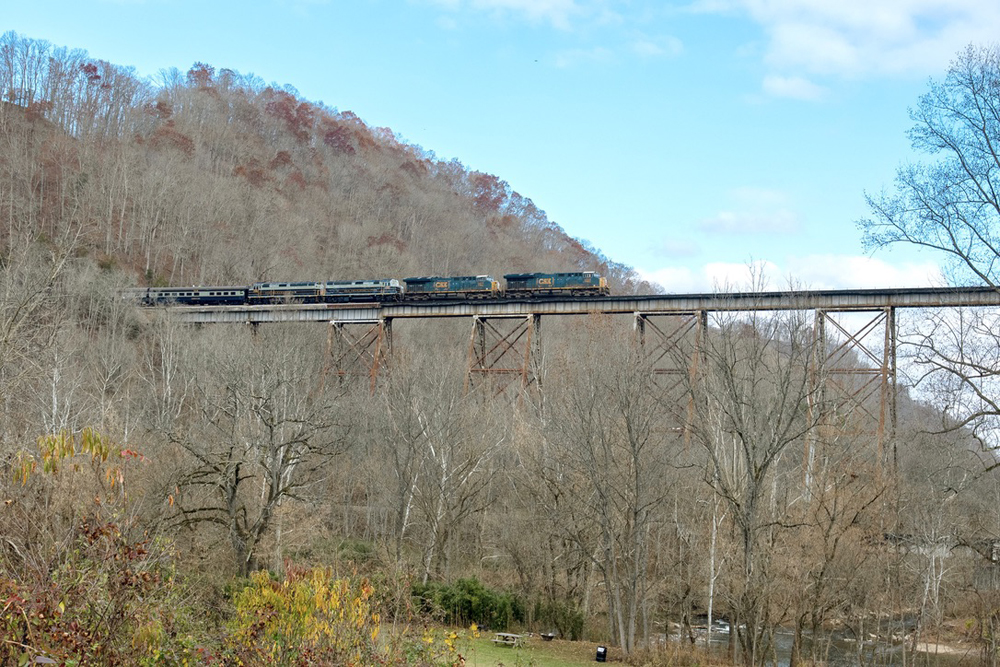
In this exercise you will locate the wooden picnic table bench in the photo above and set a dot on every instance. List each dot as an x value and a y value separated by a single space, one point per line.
509 639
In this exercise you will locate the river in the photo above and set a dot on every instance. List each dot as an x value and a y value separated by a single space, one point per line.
838 649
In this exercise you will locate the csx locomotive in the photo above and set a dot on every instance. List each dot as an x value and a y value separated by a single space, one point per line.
518 285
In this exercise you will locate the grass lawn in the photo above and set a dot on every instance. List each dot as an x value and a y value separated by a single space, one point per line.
536 653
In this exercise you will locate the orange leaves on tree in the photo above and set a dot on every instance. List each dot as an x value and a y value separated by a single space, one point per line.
489 192
338 137
55 449
201 75
253 172
298 117
168 136
91 72
162 109
386 239
281 159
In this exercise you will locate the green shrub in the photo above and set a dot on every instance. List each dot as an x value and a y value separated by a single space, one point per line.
467 601
563 617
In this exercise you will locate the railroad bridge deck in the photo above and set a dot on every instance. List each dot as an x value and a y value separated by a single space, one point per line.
838 300
505 341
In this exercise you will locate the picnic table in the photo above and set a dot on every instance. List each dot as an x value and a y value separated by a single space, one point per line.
509 639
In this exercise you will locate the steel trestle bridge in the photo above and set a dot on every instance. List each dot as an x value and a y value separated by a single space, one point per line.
858 362
835 300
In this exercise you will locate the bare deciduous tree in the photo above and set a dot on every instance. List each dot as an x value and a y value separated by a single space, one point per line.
750 398
440 447
258 432
609 454
951 205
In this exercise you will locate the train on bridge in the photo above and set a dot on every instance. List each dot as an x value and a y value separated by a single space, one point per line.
516 286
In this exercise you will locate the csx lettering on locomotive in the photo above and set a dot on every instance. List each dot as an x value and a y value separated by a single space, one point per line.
517 285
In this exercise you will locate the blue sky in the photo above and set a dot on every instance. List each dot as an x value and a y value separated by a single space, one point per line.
688 139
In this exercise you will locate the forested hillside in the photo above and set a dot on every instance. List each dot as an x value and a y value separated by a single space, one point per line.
179 494
213 177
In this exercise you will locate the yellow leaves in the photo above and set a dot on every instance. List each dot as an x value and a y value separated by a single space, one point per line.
92 443
56 448
75 450
24 466
308 609
114 476
442 647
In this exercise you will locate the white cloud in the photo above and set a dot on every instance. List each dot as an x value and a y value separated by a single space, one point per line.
643 47
853 38
803 39
858 272
794 87
731 277
557 13
675 279
780 221
712 277
753 211
753 196
621 33
827 271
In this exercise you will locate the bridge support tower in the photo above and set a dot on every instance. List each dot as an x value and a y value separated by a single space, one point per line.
504 352
671 349
358 349
854 382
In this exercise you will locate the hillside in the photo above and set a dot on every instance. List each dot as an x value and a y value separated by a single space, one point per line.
212 177
224 494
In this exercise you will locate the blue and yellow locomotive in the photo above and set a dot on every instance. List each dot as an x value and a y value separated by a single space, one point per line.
518 285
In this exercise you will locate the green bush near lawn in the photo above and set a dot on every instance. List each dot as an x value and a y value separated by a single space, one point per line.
467 601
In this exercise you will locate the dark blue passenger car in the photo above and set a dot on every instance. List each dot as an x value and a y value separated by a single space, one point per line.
192 296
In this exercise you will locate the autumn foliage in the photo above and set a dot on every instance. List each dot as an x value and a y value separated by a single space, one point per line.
181 181
311 617
82 584
231 495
